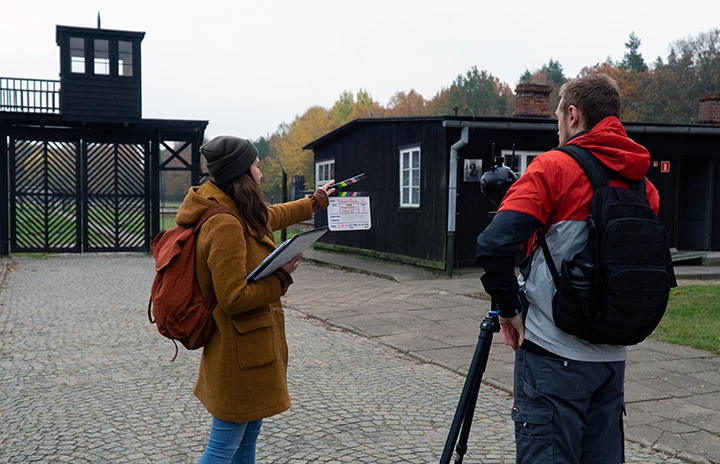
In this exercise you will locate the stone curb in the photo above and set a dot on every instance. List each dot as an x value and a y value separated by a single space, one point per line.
349 269
381 275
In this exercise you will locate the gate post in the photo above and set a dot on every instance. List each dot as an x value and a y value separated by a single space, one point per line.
195 170
4 185
154 185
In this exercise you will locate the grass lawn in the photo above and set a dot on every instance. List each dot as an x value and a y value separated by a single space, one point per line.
170 204
692 318
30 223
291 232
167 222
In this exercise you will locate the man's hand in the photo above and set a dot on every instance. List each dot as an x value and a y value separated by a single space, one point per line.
513 331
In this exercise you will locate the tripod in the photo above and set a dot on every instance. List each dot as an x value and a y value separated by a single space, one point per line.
468 398
494 184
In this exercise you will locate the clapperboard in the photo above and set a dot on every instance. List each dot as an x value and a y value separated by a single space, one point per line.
349 210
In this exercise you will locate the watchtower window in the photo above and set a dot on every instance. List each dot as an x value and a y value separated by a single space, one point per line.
102 57
125 58
77 55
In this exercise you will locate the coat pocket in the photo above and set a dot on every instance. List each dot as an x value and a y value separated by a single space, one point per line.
255 346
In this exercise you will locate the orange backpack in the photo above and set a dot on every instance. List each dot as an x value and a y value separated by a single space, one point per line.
176 302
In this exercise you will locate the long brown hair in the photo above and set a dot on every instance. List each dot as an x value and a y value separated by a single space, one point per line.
248 197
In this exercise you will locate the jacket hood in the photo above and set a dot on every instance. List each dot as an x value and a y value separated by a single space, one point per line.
200 199
610 144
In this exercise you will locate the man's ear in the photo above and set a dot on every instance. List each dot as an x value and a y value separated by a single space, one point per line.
575 117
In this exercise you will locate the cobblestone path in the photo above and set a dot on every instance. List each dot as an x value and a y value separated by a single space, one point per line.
84 378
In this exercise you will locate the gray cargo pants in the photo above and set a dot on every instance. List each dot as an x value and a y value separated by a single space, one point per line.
567 412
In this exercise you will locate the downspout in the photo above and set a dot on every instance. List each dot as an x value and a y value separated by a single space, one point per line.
452 199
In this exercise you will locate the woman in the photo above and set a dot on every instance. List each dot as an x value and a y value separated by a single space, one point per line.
242 376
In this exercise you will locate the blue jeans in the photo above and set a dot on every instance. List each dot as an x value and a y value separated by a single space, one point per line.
567 412
231 442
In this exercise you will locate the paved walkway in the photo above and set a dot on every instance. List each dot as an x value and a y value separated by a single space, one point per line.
673 392
84 378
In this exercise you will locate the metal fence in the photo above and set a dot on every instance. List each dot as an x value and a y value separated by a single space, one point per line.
29 95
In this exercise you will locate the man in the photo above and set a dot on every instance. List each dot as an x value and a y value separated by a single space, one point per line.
568 392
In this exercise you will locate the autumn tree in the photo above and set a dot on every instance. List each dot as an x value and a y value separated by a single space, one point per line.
702 55
669 92
669 96
349 107
406 104
365 106
342 109
270 167
286 145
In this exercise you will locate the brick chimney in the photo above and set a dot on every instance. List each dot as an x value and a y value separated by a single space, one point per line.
532 100
709 109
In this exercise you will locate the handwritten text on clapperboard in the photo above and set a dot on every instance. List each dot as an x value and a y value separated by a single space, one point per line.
349 213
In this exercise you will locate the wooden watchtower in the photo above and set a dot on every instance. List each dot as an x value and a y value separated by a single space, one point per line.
81 169
100 73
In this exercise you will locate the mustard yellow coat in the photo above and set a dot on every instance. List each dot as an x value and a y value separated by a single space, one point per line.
243 369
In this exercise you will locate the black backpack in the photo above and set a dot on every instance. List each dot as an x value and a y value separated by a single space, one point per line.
616 289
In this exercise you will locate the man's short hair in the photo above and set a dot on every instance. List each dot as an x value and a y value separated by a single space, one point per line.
597 96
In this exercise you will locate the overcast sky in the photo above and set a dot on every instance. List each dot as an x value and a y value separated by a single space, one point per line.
247 66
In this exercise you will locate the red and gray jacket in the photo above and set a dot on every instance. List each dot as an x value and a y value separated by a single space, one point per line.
553 197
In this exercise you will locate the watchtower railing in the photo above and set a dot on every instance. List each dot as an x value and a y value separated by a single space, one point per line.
29 95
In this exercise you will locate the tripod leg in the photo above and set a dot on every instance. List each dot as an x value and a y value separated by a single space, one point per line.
470 391
462 446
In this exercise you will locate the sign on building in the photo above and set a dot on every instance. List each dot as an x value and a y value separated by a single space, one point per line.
473 170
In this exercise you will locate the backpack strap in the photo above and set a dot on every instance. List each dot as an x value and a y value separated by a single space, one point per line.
598 174
211 300
212 212
549 261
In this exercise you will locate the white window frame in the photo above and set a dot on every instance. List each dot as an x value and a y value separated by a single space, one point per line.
410 152
323 175
524 157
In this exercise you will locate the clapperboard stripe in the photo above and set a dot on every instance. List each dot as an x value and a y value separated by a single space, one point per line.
349 181
353 194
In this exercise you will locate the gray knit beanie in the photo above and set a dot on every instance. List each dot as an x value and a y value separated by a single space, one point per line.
228 157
